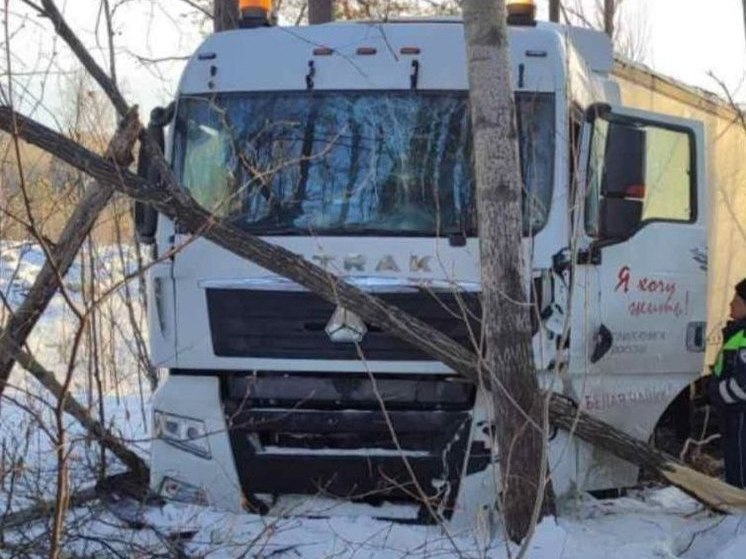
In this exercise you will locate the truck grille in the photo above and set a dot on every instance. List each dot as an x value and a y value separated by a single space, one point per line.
290 325
327 435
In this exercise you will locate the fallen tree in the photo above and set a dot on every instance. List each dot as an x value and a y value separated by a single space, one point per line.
179 206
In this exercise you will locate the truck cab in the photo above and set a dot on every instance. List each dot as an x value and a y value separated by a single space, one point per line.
350 145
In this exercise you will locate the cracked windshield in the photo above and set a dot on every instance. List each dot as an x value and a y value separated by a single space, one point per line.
347 163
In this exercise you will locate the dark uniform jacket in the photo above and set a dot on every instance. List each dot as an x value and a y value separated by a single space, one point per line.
728 385
728 394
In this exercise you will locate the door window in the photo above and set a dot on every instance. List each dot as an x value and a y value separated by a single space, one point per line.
668 176
638 172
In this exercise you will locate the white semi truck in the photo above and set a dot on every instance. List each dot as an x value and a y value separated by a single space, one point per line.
349 144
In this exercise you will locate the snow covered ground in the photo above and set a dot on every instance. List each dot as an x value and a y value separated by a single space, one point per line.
52 337
654 524
651 523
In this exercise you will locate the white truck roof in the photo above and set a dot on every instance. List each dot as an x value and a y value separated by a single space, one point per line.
278 58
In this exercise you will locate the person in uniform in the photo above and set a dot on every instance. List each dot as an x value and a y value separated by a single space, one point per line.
728 389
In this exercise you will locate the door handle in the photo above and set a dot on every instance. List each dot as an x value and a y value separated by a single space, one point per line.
696 341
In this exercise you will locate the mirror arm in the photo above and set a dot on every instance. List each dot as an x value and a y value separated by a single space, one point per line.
590 256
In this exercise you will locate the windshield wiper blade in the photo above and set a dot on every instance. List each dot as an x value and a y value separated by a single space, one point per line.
269 225
375 231
385 232
269 230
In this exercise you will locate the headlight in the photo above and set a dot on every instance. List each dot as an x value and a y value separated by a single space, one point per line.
182 432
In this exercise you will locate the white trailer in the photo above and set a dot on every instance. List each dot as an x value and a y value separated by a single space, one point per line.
349 144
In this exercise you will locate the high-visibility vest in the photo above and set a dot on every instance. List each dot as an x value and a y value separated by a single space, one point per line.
736 342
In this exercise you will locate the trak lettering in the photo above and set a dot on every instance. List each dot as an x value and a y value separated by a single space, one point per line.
387 263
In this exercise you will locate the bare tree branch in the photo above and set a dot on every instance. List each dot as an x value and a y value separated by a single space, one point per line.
61 256
72 406
319 11
225 15
554 10
610 7
66 33
199 7
46 508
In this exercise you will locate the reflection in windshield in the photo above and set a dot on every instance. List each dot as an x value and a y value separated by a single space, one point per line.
383 163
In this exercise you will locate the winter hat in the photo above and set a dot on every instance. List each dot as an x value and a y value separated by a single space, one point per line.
741 289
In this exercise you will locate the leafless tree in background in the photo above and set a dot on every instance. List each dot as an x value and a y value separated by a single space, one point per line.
629 32
225 15
554 10
609 12
320 11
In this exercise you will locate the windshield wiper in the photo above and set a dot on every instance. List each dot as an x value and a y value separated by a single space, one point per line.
261 229
270 225
385 232
263 226
373 231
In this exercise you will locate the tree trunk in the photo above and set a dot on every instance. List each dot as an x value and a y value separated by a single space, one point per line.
44 509
554 10
506 324
712 492
320 11
225 15
609 11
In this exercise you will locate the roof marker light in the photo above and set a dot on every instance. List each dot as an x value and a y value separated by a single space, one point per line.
323 51
366 51
409 50
521 12
255 13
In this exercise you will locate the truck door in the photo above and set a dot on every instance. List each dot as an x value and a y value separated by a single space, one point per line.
640 276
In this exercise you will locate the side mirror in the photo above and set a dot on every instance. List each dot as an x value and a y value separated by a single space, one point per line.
619 218
624 162
146 222
145 216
